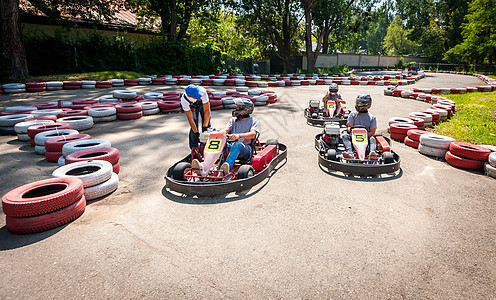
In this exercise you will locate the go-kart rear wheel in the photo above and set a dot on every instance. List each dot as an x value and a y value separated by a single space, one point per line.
245 171
332 155
180 170
315 116
388 157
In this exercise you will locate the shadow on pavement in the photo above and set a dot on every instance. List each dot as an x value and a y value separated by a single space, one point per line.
377 178
184 199
9 241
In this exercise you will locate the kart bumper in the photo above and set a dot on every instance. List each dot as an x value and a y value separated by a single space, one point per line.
320 120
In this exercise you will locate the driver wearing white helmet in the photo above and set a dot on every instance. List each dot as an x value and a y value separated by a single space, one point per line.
333 95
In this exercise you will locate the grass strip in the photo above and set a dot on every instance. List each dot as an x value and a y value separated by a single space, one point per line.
474 120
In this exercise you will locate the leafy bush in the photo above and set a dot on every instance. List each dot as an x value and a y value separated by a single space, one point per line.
67 52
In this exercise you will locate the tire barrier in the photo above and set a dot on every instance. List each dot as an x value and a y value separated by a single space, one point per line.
84 145
53 146
79 123
90 172
434 145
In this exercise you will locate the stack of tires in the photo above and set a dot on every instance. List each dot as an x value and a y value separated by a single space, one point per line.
53 146
21 128
46 112
434 145
80 145
117 82
8 122
128 111
14 88
72 85
399 130
43 205
169 103
149 108
35 129
103 114
412 138
103 84
124 95
131 82
228 102
42 137
54 85
109 154
145 81
34 87
88 84
467 156
490 165
427 118
96 175
261 100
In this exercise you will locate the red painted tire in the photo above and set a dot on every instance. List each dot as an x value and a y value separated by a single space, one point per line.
414 144
463 163
398 137
128 108
130 116
46 106
55 144
174 110
435 115
46 221
35 84
42 197
215 102
84 101
470 151
116 168
71 113
109 154
35 129
53 156
49 117
168 105
415 134
401 128
419 122
217 107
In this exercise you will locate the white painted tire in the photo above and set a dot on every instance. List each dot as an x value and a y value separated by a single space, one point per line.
61 161
12 120
490 170
10 108
492 159
262 84
83 145
102 189
54 84
91 172
254 92
400 120
40 138
78 122
46 112
108 99
148 105
430 151
54 88
88 86
152 95
218 81
88 82
22 127
427 117
105 119
256 103
14 91
227 100
13 86
149 112
436 141
40 150
102 111
261 98
23 137
490 147
442 113
242 89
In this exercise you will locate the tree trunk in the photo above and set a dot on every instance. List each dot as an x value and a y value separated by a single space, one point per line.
173 20
11 39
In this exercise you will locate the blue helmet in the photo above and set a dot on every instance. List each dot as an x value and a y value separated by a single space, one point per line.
193 91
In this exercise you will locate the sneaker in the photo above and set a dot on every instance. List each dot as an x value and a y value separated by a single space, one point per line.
196 165
373 155
348 155
225 168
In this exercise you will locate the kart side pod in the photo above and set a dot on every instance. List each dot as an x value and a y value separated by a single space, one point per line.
264 157
382 144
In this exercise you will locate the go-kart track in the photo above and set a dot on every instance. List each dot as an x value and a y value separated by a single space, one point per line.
428 231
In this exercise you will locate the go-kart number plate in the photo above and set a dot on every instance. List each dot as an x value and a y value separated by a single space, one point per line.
213 145
359 138
331 105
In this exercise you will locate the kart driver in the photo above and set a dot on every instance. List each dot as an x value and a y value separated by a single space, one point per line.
361 117
193 107
336 97
243 128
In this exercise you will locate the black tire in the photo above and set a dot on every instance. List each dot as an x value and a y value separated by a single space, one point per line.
245 171
388 157
272 142
179 171
315 116
332 155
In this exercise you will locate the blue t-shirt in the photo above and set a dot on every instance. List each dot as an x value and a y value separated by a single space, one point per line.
242 126
368 120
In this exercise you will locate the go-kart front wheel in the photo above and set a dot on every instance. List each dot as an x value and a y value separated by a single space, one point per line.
332 155
245 171
180 170
388 157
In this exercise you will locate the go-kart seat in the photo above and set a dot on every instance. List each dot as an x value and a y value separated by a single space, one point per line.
253 144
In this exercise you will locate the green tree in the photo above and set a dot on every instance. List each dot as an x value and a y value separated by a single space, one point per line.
479 34
396 41
274 23
380 20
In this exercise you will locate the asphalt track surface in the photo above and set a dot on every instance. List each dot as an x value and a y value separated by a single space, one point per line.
429 231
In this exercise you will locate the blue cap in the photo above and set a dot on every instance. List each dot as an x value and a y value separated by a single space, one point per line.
193 91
